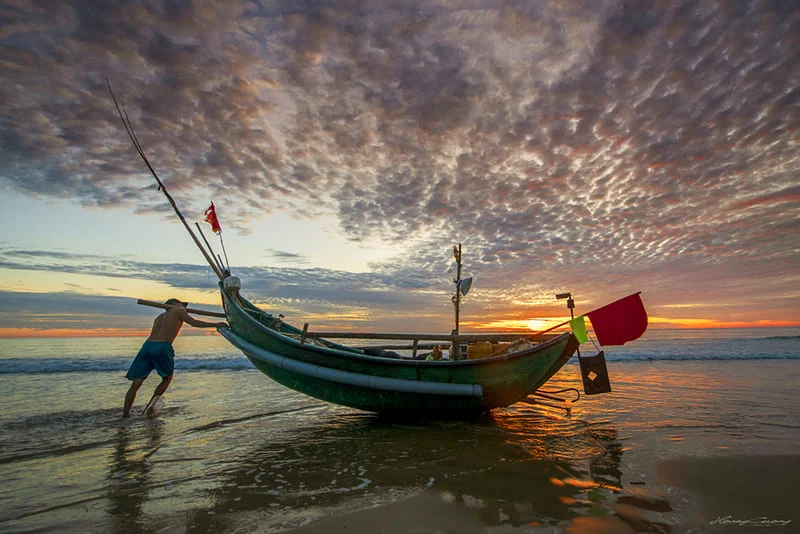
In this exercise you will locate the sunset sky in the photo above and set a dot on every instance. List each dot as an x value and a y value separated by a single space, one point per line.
601 147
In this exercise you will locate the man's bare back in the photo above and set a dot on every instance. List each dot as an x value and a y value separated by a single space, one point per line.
167 325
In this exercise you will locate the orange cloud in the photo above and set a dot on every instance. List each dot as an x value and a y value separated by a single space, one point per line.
664 322
70 332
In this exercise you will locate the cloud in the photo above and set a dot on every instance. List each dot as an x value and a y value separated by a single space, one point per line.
67 310
302 293
391 297
280 256
555 139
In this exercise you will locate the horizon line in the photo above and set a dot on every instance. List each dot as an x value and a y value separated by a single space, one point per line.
30 333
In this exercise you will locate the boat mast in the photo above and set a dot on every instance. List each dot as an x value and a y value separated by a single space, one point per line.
456 350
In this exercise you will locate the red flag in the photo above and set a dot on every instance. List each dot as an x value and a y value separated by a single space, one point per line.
621 321
211 218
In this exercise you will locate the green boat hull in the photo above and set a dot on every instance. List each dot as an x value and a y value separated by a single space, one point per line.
349 377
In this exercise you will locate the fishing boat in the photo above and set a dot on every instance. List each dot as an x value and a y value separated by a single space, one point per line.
379 380
507 369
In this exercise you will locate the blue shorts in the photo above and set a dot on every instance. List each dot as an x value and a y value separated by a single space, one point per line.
156 355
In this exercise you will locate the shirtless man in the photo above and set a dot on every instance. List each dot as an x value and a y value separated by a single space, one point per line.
157 353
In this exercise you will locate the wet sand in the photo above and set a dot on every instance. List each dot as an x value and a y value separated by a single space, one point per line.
738 494
724 494
433 512
403 517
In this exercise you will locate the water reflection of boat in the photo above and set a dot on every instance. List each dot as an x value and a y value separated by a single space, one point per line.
459 476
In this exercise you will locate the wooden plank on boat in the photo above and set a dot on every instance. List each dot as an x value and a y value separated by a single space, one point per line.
398 346
429 337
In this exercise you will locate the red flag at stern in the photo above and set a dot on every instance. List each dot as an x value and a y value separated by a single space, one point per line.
211 218
619 322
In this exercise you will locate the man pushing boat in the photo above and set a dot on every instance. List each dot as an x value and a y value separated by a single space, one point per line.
157 352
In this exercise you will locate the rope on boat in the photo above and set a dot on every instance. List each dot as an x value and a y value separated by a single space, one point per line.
550 394
129 129
566 403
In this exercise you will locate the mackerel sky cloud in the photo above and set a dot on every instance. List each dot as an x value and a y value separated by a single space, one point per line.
603 147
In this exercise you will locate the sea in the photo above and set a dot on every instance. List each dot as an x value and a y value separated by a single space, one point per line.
233 451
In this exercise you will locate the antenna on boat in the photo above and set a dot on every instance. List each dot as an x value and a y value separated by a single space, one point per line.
571 306
126 122
462 288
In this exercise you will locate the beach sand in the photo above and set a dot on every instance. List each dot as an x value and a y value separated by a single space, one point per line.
727 494
738 494
403 517
430 512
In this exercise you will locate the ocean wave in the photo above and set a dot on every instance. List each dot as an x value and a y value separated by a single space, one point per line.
37 366
677 357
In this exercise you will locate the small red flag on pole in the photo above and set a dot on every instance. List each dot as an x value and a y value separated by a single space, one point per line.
621 321
211 218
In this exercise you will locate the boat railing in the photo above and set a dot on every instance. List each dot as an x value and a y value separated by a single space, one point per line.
423 341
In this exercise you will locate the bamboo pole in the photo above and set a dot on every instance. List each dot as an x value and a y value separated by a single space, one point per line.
222 243
219 264
195 311
559 325
132 135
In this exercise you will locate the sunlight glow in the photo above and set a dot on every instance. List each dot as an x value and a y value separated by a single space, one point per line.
501 325
539 324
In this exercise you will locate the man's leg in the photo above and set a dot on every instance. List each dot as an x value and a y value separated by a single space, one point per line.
130 396
161 388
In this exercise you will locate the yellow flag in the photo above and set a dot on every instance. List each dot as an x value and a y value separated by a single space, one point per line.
579 329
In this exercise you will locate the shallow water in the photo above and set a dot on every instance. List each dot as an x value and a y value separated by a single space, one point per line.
235 452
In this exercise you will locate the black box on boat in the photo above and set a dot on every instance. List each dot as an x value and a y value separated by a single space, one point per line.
595 374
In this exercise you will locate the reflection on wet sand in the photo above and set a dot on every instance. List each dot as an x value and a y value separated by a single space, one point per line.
513 468
129 475
235 453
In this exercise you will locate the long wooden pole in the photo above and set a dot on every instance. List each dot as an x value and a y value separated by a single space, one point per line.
222 243
195 311
559 325
219 263
429 337
132 135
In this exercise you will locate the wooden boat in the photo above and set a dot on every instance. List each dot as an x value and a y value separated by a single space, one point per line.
385 382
